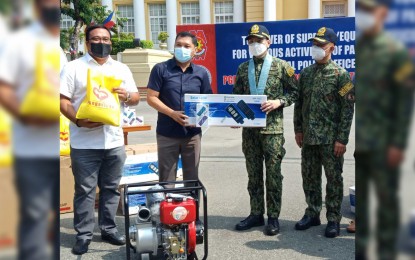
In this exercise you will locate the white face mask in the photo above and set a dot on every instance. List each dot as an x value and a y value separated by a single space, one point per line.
256 49
317 53
365 21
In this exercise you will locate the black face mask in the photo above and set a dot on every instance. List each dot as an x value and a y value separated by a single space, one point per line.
100 50
51 16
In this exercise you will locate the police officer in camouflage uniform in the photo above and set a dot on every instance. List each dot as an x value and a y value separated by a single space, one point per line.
259 144
322 120
383 111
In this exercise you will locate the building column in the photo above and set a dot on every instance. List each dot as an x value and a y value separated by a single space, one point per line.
204 6
171 6
351 5
139 19
270 10
314 9
108 3
238 11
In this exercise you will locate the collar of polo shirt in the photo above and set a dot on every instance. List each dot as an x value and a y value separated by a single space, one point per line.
90 58
174 64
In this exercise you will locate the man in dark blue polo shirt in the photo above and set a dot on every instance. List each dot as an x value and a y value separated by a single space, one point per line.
168 83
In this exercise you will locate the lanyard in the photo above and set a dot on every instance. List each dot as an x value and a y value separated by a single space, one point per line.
259 90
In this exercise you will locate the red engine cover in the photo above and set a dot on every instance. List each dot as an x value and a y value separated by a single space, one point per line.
191 238
177 212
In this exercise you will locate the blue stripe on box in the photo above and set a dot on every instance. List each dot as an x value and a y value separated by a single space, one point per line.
412 226
353 200
143 168
136 200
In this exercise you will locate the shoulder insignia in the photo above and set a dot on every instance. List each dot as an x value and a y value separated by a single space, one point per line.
404 71
346 88
290 71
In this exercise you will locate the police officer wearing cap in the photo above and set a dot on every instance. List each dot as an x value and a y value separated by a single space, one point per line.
273 77
323 117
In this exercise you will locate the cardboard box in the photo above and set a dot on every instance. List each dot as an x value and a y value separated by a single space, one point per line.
9 216
136 200
225 110
129 118
352 191
67 186
142 168
140 148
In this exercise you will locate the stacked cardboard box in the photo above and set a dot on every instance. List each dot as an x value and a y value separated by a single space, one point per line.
9 209
136 200
67 186
130 118
134 149
141 166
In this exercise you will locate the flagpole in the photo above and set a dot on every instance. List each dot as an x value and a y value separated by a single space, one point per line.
118 28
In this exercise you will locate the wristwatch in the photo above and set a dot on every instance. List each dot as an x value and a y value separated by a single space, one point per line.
128 97
282 102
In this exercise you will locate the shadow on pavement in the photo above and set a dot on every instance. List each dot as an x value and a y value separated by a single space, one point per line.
312 242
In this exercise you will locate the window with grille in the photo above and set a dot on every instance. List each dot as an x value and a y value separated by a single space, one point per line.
66 22
335 9
223 11
190 13
126 11
158 20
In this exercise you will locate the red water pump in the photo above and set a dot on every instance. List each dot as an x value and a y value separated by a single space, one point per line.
168 224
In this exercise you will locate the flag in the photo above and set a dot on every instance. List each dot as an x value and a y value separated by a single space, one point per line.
109 23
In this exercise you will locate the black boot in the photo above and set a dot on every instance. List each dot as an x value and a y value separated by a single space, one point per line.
306 222
273 227
250 222
332 229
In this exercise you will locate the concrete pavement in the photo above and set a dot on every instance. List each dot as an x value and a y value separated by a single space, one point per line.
222 171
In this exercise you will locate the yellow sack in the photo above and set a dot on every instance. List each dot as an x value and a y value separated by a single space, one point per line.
42 99
65 147
101 104
5 139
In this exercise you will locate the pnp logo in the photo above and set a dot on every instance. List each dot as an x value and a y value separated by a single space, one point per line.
201 48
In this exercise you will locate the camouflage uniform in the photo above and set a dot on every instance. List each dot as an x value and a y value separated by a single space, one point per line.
383 113
324 114
266 143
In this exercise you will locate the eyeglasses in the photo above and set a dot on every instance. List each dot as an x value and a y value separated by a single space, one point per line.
99 39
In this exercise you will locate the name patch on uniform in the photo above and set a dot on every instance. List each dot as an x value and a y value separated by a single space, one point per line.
346 88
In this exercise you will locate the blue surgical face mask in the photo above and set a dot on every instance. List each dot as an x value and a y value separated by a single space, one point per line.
182 54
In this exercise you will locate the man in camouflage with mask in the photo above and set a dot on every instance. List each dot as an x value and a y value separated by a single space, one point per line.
265 75
385 78
322 119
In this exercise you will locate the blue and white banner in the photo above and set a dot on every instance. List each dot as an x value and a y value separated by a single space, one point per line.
289 41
